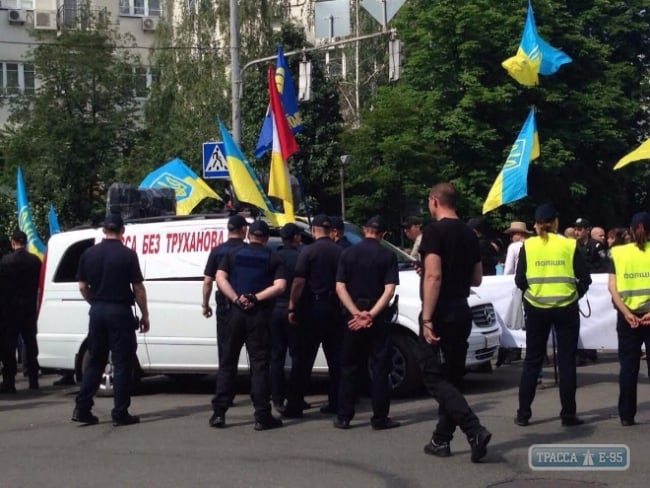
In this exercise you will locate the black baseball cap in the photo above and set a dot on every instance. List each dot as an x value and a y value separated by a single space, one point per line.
259 228
641 218
580 222
236 222
321 220
289 230
20 237
113 221
337 223
545 213
378 223
410 222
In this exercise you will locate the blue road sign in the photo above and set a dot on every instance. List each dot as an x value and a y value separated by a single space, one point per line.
214 162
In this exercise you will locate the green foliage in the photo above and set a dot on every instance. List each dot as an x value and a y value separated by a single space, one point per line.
455 113
74 133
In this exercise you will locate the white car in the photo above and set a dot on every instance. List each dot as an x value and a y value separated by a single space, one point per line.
172 253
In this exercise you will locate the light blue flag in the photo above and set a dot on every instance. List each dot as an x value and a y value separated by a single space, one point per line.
53 221
511 183
189 188
25 221
289 104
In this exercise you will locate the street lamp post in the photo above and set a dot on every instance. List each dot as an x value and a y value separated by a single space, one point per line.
344 161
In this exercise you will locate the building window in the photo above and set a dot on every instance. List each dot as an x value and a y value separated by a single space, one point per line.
140 8
17 4
16 78
143 78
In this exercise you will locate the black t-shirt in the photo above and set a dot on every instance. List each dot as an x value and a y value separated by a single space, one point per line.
218 252
366 268
20 271
289 256
109 268
594 254
317 264
458 248
344 242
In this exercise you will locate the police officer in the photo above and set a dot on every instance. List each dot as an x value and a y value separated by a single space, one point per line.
110 279
237 226
552 274
251 277
366 279
314 305
19 274
628 285
337 233
283 336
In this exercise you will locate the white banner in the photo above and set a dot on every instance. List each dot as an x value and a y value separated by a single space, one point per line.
597 328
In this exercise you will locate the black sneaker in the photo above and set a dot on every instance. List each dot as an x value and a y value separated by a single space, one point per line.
384 424
478 442
521 421
84 417
440 450
572 421
340 423
126 419
627 422
268 423
218 420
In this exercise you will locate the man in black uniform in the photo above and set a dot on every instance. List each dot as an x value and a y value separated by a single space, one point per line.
451 262
237 226
283 335
250 277
366 279
314 306
595 255
110 279
337 233
19 274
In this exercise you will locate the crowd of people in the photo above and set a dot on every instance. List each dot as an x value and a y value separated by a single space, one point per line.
336 295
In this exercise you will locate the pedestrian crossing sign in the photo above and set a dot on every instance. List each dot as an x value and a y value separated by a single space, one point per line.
214 162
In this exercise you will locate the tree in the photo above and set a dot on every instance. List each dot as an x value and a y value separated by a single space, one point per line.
455 113
74 133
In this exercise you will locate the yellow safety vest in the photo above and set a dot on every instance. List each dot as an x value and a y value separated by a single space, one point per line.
549 271
632 268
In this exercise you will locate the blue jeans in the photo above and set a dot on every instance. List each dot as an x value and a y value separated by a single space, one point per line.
111 329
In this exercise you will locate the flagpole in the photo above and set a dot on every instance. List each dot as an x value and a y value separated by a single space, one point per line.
235 72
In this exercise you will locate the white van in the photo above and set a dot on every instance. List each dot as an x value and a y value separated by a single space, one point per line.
172 253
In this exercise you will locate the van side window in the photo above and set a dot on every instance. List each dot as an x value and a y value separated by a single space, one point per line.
67 270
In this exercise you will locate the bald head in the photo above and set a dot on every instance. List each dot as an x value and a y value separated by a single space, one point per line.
598 234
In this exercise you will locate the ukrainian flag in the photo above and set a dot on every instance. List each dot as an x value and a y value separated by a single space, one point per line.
245 183
189 188
511 183
534 56
641 152
25 221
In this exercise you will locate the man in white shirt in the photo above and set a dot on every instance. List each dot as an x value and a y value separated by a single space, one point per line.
517 232
413 231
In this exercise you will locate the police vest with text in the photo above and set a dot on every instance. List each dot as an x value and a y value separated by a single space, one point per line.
251 271
633 276
549 271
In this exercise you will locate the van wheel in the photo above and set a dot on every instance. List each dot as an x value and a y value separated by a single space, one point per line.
106 383
404 376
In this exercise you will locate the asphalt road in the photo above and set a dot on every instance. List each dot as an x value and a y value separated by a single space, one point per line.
173 446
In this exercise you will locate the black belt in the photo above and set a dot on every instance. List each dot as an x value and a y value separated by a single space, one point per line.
318 297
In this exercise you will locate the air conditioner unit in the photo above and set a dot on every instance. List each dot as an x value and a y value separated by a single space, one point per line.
17 16
44 20
149 24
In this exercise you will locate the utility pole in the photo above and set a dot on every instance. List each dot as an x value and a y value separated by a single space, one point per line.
356 63
235 72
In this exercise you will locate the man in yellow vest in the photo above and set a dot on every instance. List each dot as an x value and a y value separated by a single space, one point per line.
553 276
628 285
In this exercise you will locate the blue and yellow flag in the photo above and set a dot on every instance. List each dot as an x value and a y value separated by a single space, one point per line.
534 56
641 152
190 189
245 183
289 103
53 221
511 183
25 221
